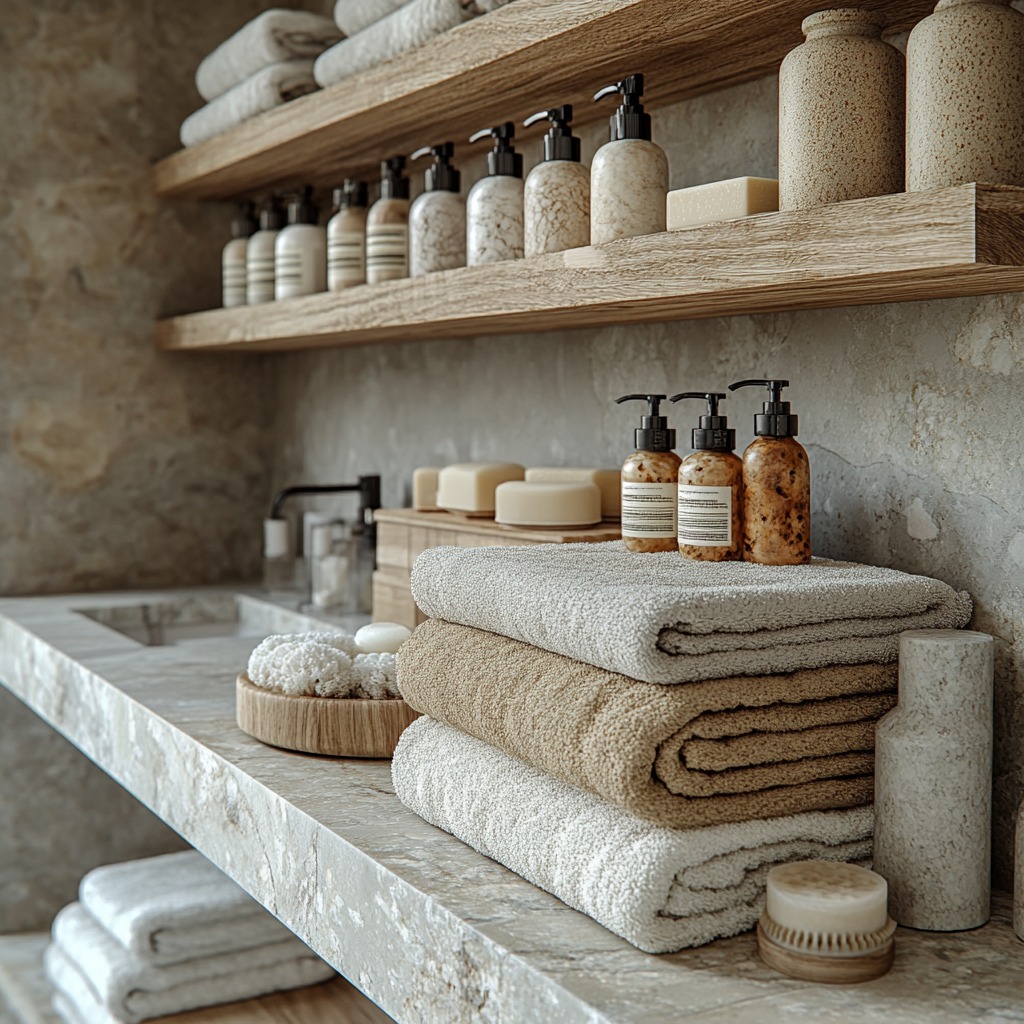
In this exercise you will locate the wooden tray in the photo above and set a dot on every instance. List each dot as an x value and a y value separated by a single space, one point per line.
335 726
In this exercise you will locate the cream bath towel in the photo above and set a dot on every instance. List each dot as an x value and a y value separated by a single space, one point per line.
665 619
353 16
660 889
680 756
270 38
176 907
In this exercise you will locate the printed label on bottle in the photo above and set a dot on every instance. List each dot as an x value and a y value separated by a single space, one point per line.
705 516
387 248
234 282
346 259
648 510
292 276
261 278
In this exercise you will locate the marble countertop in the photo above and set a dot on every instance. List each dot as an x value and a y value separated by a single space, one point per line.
428 928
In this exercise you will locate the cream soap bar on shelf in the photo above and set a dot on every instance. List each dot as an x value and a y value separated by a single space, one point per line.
607 481
470 486
721 200
424 489
562 503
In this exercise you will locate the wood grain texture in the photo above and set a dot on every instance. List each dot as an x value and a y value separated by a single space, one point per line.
964 240
333 726
823 969
501 67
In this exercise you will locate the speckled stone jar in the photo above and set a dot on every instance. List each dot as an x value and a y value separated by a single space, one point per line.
841 102
965 96
933 782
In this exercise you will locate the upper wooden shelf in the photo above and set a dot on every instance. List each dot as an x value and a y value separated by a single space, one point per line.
966 240
504 66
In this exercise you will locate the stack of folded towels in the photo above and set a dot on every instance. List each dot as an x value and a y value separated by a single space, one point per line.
644 736
164 935
264 64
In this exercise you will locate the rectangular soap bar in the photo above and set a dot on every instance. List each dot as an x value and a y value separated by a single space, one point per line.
608 481
721 200
424 489
470 486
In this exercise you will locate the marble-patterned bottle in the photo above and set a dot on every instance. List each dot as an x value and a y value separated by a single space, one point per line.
629 175
965 96
387 225
556 200
776 484
841 112
494 206
437 217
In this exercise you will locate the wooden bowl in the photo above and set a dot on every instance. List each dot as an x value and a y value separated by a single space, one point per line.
335 726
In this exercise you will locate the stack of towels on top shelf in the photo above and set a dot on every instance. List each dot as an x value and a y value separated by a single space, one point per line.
378 30
164 935
264 64
645 736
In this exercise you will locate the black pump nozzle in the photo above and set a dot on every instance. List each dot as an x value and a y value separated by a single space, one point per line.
441 177
272 215
352 193
653 434
393 184
503 159
776 420
244 223
714 433
301 208
559 143
629 121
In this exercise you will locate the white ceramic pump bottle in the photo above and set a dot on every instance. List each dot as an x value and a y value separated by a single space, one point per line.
387 225
300 251
346 237
233 258
259 254
494 207
437 217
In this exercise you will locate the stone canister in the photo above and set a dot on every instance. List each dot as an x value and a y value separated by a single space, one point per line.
933 782
841 103
1018 878
965 96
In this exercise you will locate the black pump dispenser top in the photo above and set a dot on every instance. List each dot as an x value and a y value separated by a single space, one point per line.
272 217
653 434
441 177
301 209
629 121
503 159
714 433
559 143
776 420
393 184
352 193
244 224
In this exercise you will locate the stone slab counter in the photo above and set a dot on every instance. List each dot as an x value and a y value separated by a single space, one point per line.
426 927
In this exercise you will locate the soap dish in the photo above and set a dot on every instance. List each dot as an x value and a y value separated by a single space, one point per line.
333 726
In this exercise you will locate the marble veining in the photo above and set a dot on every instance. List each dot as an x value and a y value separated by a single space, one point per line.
629 185
556 205
437 233
494 220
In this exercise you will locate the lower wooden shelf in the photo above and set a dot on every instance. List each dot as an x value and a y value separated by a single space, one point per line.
964 240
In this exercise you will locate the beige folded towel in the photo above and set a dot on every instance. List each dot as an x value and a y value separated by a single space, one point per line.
270 38
680 756
666 619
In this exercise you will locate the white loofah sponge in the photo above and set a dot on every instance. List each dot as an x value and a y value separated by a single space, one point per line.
376 675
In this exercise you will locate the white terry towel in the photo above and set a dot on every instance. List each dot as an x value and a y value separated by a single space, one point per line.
262 91
660 889
176 907
665 619
353 16
270 38
134 990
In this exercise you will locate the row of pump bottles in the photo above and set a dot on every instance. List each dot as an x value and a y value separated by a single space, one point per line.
561 205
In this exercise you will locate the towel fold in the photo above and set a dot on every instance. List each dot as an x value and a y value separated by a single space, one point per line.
176 907
665 619
134 990
353 16
680 756
660 889
263 91
271 37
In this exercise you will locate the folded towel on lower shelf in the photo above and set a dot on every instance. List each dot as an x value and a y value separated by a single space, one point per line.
660 889
271 37
353 16
665 619
134 990
261 92
680 756
176 907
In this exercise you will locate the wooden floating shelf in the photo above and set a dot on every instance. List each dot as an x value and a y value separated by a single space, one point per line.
965 240
504 66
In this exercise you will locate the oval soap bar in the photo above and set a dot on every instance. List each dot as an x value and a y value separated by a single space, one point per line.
563 504
381 638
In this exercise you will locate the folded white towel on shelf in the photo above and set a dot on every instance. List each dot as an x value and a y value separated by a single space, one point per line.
176 907
352 16
270 38
80 1007
134 990
660 889
263 91
665 619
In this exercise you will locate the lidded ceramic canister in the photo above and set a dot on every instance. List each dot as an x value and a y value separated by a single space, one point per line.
965 96
841 102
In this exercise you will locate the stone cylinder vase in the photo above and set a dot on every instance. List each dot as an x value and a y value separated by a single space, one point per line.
965 96
841 103
933 782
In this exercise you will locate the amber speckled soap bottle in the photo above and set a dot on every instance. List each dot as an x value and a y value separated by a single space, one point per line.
649 480
709 520
776 484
